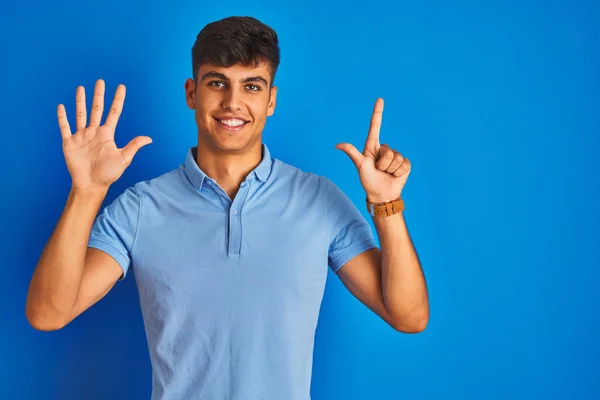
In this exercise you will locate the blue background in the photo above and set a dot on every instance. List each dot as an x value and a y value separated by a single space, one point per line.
496 105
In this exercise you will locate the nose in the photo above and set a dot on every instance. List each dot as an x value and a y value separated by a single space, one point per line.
231 100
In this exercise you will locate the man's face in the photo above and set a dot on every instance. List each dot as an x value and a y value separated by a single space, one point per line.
231 105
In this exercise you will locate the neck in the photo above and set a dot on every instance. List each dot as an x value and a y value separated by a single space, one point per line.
226 168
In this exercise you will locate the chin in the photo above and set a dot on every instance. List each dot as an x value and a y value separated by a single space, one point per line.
231 147
225 140
227 144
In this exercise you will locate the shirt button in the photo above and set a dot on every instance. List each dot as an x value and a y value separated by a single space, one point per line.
235 211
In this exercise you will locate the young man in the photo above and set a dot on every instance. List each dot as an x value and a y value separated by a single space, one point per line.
231 249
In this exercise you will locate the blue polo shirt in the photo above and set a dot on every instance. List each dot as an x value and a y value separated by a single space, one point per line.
230 289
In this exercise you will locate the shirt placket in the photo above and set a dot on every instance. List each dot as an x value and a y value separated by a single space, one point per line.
235 220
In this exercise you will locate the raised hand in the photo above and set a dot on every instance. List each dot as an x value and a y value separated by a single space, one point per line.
383 172
93 159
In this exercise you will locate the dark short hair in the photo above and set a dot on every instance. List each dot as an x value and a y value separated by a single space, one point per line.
236 40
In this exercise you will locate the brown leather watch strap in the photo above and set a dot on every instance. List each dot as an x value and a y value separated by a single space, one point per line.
386 209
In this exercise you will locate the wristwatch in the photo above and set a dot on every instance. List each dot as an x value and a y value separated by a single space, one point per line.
386 209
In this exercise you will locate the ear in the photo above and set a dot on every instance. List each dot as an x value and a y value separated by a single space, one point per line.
190 93
272 101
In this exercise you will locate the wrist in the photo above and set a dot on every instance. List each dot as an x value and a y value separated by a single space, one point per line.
89 193
384 208
380 199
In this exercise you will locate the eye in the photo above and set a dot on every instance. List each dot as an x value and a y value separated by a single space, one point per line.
253 88
216 83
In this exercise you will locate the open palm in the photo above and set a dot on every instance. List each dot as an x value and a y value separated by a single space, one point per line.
91 154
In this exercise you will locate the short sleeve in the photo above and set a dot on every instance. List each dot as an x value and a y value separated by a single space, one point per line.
348 232
115 229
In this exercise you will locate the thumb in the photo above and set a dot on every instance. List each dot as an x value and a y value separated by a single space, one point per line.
133 146
355 155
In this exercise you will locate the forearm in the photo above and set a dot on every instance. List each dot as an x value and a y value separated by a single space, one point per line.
403 283
55 283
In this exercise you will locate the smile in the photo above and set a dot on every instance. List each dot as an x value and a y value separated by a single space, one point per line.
233 124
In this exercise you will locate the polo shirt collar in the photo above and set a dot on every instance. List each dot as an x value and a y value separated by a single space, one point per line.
197 176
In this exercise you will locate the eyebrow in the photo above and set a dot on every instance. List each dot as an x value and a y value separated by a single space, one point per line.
218 75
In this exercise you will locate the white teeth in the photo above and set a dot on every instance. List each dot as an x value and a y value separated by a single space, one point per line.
231 122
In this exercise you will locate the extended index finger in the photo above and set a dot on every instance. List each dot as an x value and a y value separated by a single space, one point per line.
116 108
63 122
373 137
